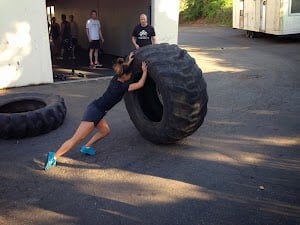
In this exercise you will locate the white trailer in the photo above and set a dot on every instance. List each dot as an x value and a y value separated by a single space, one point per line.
278 17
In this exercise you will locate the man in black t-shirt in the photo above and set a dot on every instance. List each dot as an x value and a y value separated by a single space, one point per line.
143 34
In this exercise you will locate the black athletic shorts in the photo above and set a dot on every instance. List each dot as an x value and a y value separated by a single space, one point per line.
93 114
95 44
66 43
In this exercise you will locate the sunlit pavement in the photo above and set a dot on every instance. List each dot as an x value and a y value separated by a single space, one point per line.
242 166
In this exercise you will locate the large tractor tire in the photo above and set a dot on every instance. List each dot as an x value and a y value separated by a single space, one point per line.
30 114
173 102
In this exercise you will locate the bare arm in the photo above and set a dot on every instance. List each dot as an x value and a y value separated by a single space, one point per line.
101 36
50 32
133 39
141 82
154 40
130 59
88 34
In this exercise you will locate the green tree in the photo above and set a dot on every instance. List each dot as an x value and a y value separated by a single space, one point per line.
217 11
191 9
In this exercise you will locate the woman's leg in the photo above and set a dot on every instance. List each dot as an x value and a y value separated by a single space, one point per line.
103 130
84 129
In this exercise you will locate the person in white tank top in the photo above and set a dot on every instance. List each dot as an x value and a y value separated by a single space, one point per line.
94 34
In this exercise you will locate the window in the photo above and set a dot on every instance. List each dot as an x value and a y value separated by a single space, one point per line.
295 6
50 13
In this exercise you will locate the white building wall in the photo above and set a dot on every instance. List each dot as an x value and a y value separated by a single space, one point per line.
24 44
165 20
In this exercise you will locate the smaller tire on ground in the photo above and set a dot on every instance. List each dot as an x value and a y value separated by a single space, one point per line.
30 114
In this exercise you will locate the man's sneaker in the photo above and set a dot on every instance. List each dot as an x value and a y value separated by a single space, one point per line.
97 65
51 160
87 150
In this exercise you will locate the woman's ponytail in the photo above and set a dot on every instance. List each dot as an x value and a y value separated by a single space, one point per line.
120 67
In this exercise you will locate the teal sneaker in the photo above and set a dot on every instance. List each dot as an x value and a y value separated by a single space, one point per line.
51 160
87 150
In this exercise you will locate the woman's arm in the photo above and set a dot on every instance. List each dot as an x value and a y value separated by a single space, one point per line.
130 58
141 82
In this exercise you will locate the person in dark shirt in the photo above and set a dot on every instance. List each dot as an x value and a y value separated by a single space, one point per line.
54 35
97 109
66 36
143 34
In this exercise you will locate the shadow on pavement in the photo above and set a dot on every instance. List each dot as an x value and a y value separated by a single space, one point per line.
240 167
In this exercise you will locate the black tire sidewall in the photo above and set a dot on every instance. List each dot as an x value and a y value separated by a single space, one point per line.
166 130
32 123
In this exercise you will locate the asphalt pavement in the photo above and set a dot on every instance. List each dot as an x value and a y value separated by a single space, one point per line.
241 167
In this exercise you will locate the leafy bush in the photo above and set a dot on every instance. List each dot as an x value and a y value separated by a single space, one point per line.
216 11
191 9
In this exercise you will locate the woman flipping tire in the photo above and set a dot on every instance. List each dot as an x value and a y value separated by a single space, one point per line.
173 102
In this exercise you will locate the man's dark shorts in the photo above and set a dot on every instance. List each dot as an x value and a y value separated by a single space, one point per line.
66 43
95 44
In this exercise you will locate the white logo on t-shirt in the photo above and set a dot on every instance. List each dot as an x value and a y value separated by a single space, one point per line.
143 35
